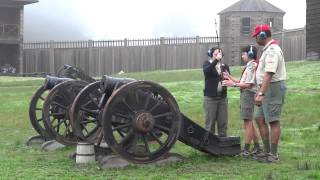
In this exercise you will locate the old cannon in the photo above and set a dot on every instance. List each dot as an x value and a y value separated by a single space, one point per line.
65 73
128 111
86 110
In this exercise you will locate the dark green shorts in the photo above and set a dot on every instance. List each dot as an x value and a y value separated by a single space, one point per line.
272 102
246 104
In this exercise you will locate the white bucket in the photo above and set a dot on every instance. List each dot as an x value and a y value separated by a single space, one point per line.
85 153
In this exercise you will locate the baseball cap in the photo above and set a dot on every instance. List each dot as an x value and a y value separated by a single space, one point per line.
259 28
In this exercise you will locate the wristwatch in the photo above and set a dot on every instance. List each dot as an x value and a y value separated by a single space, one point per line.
235 84
260 94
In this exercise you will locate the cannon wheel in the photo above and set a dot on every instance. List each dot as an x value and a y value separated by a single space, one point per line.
140 109
35 111
56 111
84 113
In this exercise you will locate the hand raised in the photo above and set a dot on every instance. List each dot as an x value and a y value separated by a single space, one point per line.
227 83
226 75
219 56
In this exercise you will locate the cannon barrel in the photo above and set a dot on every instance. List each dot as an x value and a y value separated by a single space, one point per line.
109 84
73 72
52 81
67 66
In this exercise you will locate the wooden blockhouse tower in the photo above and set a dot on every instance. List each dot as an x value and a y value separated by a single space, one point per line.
11 32
238 21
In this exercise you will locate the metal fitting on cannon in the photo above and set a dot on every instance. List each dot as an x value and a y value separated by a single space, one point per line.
67 66
109 84
52 81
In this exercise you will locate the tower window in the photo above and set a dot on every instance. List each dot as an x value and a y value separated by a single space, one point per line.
245 26
270 22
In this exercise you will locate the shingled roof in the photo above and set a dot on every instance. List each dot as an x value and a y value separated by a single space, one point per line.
252 6
17 2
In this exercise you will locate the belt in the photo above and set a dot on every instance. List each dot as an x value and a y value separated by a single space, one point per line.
219 94
270 83
215 97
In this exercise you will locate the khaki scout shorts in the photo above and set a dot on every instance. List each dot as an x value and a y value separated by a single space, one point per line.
247 104
272 102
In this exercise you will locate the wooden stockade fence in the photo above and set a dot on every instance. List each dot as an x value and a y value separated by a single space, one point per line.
293 43
108 57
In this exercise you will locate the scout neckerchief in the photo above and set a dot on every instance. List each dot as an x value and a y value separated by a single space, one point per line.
244 69
270 43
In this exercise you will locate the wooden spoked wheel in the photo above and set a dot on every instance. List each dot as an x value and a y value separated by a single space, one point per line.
135 111
85 113
35 111
56 111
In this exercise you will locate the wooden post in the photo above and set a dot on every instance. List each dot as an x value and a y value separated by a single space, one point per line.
51 57
21 64
197 60
282 40
91 72
125 60
161 63
161 40
113 61
304 53
125 42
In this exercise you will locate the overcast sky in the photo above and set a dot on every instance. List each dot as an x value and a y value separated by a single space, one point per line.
133 19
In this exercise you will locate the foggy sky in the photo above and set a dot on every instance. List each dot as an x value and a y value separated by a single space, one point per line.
119 19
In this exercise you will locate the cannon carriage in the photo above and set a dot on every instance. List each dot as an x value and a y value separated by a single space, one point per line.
127 113
139 109
139 120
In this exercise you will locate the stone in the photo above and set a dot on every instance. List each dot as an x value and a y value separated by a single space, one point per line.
168 159
35 140
116 161
102 152
113 161
51 145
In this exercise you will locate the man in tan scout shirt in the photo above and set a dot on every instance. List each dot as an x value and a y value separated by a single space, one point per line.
270 77
247 86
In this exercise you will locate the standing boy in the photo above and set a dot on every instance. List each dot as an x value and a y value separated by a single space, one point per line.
247 85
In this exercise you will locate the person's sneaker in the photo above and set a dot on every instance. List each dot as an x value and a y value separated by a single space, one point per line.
256 151
270 158
244 153
261 155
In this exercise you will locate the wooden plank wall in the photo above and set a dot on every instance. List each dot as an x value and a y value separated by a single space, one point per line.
312 29
98 58
109 57
292 43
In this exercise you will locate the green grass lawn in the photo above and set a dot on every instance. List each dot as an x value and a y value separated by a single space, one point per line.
299 147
